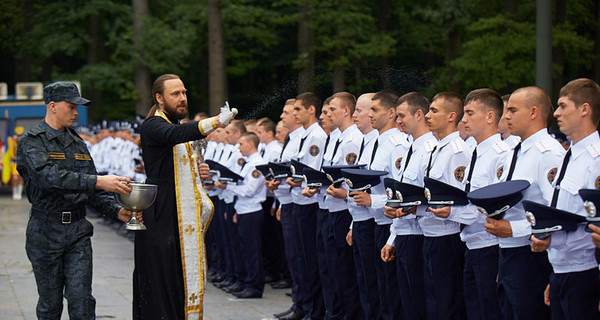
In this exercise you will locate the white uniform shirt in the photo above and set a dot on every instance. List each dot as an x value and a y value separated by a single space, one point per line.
346 154
392 147
282 193
272 150
360 213
234 162
329 146
449 163
250 192
311 154
538 160
574 251
488 169
512 141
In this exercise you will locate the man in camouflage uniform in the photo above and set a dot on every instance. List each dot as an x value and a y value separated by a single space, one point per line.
60 179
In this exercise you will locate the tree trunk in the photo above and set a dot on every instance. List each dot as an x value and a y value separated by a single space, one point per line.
23 62
385 16
306 52
511 7
142 72
217 75
596 62
93 57
558 53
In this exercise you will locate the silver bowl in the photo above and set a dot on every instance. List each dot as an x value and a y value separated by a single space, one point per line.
141 197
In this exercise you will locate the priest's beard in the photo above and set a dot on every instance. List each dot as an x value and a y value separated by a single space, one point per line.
174 111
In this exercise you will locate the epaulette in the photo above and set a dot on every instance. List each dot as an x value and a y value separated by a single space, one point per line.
396 141
542 146
457 145
36 130
594 150
501 146
430 144
74 133
349 137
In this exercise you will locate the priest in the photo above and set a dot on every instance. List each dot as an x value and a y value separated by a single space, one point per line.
169 274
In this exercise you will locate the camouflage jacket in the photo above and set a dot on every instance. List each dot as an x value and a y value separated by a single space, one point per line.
58 172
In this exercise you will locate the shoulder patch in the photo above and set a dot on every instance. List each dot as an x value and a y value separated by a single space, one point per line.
459 173
542 146
597 183
501 146
457 145
351 158
313 150
398 163
241 162
256 174
499 172
552 174
594 150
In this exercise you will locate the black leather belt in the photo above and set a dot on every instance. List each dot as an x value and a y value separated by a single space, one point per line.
64 217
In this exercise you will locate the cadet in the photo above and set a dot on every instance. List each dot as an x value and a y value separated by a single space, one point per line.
523 275
60 179
574 290
250 194
306 110
483 110
405 243
363 122
443 251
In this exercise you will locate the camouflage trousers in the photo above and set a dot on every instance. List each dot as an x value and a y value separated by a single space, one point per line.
61 257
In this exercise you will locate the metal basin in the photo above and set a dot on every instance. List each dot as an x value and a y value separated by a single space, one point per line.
141 197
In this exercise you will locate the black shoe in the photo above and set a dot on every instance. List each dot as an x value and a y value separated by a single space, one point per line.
223 284
269 278
236 287
217 278
289 294
281 284
293 316
283 314
246 294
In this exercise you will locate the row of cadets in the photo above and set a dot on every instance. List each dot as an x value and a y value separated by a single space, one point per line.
390 147
523 274
443 251
482 112
282 192
275 266
573 286
304 221
345 151
249 216
405 243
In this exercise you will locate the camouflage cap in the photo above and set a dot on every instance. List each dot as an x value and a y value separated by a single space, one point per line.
63 91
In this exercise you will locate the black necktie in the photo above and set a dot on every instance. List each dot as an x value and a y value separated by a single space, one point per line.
335 149
221 154
429 163
563 168
287 140
471 167
325 149
513 162
374 151
262 152
362 148
301 144
408 155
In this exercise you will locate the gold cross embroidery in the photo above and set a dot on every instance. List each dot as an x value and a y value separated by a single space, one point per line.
184 160
189 229
193 298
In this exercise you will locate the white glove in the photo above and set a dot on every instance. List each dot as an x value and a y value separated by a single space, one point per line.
227 114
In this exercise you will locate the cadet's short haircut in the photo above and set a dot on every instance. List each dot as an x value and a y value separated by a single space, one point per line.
308 99
251 137
489 98
505 98
239 126
388 98
328 100
268 125
290 102
415 101
452 103
536 96
347 99
581 91
261 120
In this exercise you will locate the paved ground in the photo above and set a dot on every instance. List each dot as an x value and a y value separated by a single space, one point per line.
113 267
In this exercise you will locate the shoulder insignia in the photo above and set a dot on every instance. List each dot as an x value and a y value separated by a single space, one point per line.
398 163
552 174
79 156
394 140
241 162
459 173
430 144
457 145
501 146
349 137
256 174
56 155
499 172
351 158
594 150
542 146
313 150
